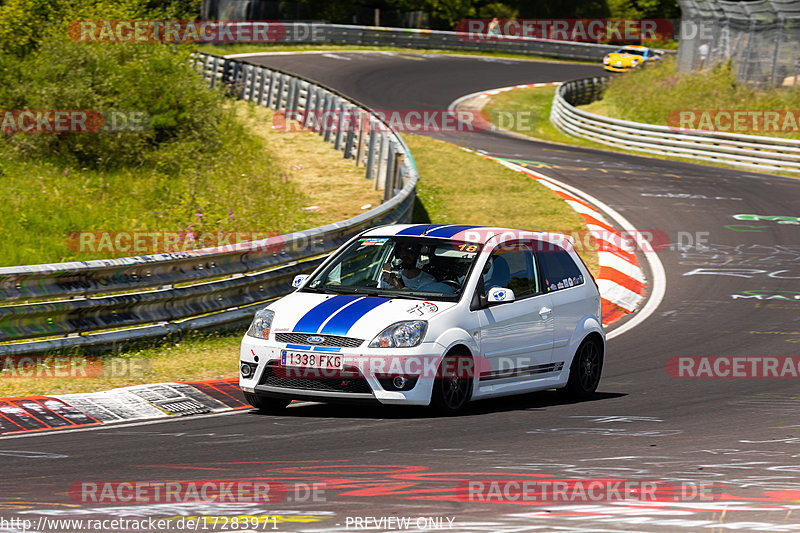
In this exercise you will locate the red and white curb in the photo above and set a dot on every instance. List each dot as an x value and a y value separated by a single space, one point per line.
138 402
621 280
512 87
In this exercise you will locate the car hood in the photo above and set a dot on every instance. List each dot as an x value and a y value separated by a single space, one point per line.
623 57
356 316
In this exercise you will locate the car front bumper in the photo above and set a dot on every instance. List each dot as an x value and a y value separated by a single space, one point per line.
367 375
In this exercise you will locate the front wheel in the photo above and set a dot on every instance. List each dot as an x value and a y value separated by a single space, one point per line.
266 405
584 374
453 386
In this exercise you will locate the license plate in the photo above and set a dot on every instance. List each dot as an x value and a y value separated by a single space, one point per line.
311 360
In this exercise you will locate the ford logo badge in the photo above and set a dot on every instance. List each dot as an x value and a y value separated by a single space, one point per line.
315 340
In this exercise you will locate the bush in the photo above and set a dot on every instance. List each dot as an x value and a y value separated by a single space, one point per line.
155 79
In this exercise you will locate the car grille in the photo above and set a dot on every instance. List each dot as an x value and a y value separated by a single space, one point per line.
330 340
349 379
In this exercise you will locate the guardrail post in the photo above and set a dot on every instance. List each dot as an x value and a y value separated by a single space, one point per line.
399 171
298 97
261 83
373 144
363 123
343 123
330 125
323 112
379 165
234 68
312 93
249 82
279 94
353 120
272 75
389 179
291 89
214 67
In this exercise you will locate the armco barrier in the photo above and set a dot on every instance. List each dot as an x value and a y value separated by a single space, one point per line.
751 151
214 287
444 40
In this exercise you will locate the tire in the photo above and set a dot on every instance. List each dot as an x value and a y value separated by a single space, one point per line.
266 405
584 373
452 391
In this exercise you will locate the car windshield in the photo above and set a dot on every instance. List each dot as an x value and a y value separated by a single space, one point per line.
634 51
409 267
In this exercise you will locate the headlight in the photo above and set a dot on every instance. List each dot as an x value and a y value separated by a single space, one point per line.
261 324
401 335
606 60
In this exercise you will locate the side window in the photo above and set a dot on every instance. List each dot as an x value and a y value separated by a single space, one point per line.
558 269
511 267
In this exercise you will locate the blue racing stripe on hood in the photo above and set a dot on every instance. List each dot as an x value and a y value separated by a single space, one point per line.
448 231
342 321
317 315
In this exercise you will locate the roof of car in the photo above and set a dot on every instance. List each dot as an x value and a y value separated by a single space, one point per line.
461 232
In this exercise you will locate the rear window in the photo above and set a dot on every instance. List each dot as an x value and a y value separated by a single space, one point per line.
558 268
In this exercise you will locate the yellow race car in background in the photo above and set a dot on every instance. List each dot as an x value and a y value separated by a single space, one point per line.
629 57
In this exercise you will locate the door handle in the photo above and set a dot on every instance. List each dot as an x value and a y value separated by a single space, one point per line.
544 312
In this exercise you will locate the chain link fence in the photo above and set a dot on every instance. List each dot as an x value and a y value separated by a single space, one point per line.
761 38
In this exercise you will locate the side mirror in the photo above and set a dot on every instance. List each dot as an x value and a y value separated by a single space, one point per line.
500 295
299 280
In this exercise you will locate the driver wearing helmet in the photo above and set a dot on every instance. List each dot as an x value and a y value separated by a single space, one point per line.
407 256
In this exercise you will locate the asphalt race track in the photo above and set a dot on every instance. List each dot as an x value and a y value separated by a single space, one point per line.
724 453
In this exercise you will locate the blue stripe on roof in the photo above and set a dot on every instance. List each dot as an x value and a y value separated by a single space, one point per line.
342 321
313 319
418 230
448 231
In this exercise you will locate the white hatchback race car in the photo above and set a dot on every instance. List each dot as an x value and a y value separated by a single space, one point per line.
429 314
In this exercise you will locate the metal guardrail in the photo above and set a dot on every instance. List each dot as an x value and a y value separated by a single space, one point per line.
450 40
219 287
750 151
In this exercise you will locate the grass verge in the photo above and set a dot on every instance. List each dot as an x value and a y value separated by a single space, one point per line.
527 112
259 183
191 357
454 188
656 95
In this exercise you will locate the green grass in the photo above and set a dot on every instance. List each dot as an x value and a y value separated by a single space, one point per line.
527 111
623 100
190 357
453 188
653 94
258 181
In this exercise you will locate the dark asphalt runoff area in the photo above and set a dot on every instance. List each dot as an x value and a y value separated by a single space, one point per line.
723 454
